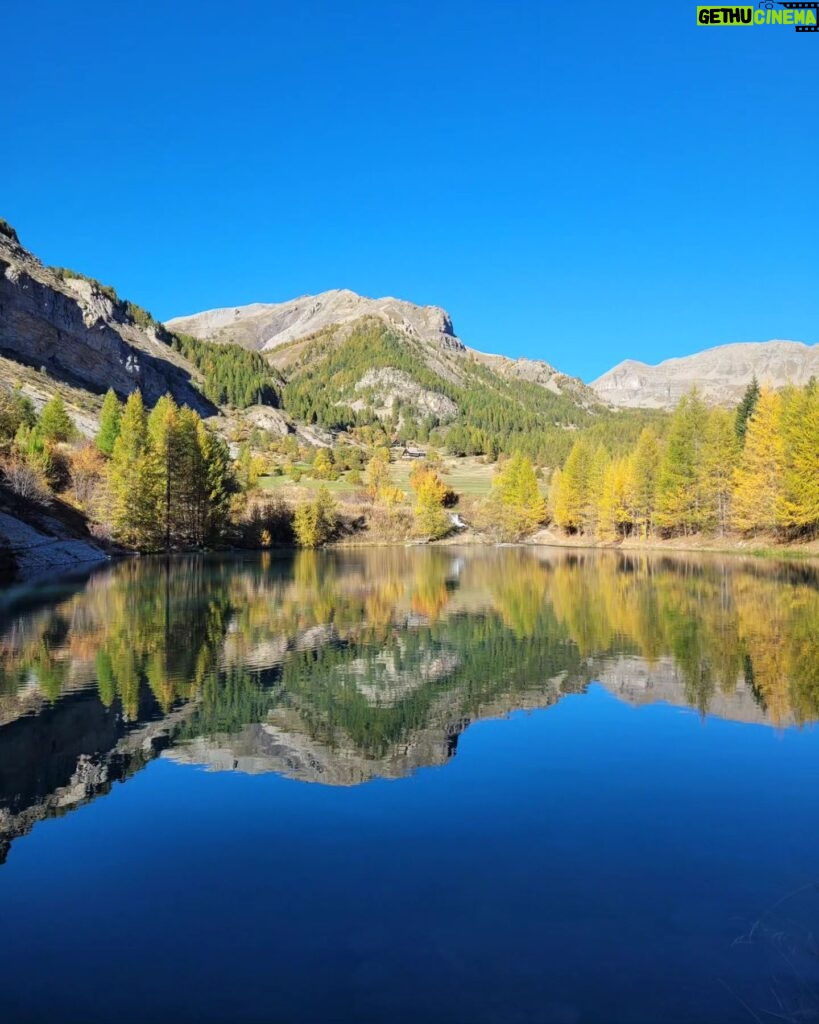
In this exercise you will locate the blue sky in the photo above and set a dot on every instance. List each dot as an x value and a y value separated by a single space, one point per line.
581 183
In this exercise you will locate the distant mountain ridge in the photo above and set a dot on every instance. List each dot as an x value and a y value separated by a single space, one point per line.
720 374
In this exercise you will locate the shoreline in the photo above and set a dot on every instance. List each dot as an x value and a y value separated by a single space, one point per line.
764 548
60 569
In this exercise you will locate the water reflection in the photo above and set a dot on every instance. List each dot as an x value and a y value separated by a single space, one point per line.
340 667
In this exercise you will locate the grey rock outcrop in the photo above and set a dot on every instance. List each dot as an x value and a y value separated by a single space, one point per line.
74 331
721 374
38 555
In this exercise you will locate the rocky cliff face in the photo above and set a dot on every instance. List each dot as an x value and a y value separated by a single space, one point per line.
265 326
73 330
720 374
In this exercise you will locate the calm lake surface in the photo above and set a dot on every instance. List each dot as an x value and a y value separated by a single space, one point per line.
411 785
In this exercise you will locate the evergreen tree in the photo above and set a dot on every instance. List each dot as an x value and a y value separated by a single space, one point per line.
642 481
110 417
164 458
15 411
515 502
745 409
219 485
54 423
614 515
572 496
133 479
679 493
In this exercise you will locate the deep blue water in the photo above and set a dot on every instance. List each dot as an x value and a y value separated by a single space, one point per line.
589 860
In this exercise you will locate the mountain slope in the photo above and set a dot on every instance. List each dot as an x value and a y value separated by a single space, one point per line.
349 361
720 374
81 334
280 329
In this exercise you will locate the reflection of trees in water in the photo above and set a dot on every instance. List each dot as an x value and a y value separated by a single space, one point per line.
370 645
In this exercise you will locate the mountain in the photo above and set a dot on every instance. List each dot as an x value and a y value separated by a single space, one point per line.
69 331
284 329
346 361
265 326
720 374
336 361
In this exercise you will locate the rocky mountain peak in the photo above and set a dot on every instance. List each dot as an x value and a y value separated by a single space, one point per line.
265 326
720 374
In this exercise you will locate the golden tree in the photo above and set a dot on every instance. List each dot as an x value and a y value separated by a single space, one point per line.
757 478
516 506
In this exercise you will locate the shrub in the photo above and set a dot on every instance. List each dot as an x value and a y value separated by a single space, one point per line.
268 522
86 468
27 481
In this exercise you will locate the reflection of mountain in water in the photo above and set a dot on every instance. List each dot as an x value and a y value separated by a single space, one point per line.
342 667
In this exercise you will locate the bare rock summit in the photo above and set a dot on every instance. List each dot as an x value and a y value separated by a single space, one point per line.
721 374
265 326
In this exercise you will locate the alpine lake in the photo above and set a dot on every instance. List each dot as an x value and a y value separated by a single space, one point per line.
408 785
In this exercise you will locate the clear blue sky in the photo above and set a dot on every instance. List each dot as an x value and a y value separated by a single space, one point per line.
578 182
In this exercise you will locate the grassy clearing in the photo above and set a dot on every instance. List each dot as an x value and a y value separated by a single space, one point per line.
307 483
465 476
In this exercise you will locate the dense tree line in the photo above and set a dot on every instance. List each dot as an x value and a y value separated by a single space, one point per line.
495 415
753 471
232 374
170 477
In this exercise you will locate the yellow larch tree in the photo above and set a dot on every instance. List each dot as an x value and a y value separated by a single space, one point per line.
757 478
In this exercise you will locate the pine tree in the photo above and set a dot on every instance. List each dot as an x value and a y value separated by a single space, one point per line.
164 458
595 481
572 496
219 484
54 423
515 502
133 479
679 492
757 478
191 491
642 481
613 513
110 417
720 453
745 409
